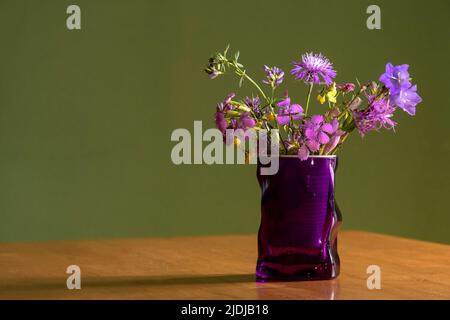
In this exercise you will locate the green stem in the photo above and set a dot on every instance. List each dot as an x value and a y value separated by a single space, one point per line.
309 98
257 87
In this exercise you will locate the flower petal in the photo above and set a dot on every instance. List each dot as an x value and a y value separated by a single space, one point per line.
303 153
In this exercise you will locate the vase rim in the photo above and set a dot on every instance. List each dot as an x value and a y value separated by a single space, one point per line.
313 156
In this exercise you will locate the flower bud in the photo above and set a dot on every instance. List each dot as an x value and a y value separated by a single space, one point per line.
355 103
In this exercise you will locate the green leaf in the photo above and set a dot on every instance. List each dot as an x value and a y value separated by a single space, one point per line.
348 125
226 50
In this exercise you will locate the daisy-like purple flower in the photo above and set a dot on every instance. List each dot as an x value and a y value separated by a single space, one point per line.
275 76
312 68
286 111
396 78
376 117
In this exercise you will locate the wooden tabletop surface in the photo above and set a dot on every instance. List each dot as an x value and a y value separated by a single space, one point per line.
216 267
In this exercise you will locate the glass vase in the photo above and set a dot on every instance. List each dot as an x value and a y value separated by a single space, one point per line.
297 238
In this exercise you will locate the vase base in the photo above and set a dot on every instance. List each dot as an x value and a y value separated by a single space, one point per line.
265 273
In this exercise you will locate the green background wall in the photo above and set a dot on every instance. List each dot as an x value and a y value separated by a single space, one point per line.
86 116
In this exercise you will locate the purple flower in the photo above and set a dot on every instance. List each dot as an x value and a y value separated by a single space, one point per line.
212 74
226 105
221 109
253 104
376 117
221 122
407 99
274 75
286 111
246 121
311 67
396 78
401 92
316 131
303 152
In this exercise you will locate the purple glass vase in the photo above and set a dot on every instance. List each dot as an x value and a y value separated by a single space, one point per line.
297 238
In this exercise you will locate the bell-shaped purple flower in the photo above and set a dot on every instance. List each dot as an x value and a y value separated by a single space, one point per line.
407 99
396 78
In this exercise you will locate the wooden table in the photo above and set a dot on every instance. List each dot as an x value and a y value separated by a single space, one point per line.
216 267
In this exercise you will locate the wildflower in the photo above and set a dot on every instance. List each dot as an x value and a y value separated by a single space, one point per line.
312 68
303 152
275 76
321 98
246 121
316 131
376 117
221 122
331 94
253 104
407 100
396 78
221 110
288 111
334 140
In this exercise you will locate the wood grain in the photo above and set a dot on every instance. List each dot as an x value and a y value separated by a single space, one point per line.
216 267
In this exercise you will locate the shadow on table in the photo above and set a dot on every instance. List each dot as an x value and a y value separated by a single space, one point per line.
39 284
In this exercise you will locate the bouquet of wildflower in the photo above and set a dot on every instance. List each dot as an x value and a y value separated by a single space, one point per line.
364 107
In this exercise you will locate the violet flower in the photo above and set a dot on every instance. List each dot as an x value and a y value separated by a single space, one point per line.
221 109
376 117
303 152
396 78
401 91
286 111
246 121
312 68
407 100
315 131
253 104
221 122
275 76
